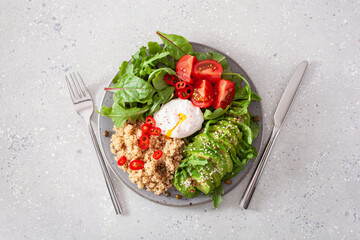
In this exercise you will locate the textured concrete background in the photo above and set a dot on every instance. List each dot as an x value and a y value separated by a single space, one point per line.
51 185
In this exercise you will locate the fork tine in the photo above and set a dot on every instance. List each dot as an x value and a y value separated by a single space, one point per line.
83 86
70 89
75 83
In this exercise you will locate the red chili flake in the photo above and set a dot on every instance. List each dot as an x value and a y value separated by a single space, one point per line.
121 161
157 154
144 141
151 121
145 128
136 165
155 131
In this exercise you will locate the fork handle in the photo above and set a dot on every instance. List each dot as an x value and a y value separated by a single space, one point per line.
104 169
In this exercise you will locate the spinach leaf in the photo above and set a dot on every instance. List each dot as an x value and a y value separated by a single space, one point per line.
125 68
131 88
177 45
216 196
214 56
221 59
154 47
120 115
202 56
254 129
208 114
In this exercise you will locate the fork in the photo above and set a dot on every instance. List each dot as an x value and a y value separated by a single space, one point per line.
84 106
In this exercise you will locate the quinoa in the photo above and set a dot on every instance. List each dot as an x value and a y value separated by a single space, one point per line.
157 175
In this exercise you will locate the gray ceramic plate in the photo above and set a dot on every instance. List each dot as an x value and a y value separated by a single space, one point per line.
107 124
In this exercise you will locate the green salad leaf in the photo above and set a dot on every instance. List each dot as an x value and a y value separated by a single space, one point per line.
124 69
120 115
130 88
177 45
216 196
208 114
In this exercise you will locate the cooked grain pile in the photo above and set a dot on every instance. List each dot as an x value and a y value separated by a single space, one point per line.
157 175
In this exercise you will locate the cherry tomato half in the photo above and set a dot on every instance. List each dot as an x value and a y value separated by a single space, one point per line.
203 94
208 69
224 91
121 161
185 93
155 131
151 121
157 154
144 142
184 68
180 85
136 165
145 128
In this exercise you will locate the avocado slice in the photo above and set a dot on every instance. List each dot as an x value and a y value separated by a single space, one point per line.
198 149
232 127
239 119
205 176
220 130
182 182
223 159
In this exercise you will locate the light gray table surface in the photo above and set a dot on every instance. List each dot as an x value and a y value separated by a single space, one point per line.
51 185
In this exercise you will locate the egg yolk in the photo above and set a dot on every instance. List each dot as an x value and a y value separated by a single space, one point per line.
182 118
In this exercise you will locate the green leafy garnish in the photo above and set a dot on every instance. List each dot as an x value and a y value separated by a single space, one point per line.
177 45
216 196
208 114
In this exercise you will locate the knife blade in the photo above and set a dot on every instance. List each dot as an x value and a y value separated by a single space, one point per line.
279 116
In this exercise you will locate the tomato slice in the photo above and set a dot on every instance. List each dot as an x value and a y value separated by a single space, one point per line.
155 131
151 121
136 165
121 161
223 93
208 69
145 128
157 154
184 68
144 142
203 94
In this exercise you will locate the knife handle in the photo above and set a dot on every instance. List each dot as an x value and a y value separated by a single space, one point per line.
245 201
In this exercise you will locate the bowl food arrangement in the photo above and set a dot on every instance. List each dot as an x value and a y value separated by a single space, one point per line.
180 119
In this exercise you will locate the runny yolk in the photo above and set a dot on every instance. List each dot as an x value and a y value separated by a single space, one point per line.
182 118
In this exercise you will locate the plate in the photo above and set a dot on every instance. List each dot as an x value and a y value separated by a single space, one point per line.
105 123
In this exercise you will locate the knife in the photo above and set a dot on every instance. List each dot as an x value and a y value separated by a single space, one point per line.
279 117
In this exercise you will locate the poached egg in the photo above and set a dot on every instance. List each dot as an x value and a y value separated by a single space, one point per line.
179 118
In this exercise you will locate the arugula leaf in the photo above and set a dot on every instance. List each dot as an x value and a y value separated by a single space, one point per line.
161 97
120 115
167 70
125 68
216 196
177 45
154 47
194 161
255 97
131 88
208 114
